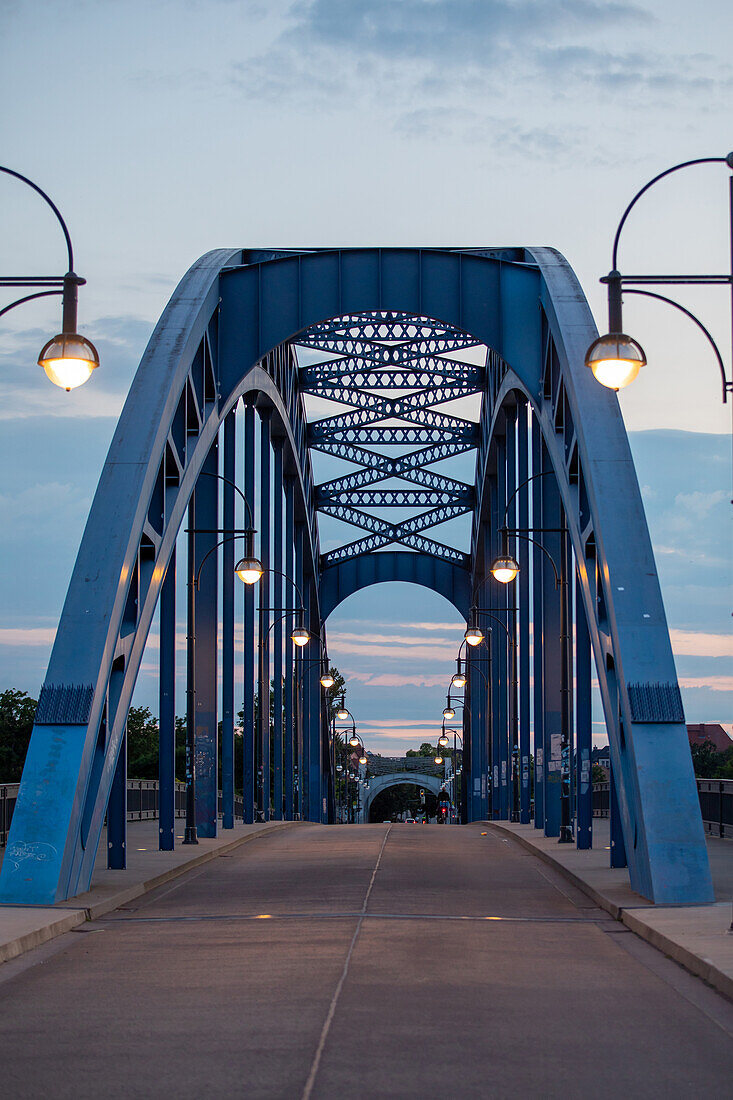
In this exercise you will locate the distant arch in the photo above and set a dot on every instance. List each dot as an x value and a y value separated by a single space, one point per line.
340 581
379 783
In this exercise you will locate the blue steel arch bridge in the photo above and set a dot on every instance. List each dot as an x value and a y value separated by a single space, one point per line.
407 359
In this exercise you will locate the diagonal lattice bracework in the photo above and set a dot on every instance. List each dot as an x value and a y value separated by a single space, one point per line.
390 373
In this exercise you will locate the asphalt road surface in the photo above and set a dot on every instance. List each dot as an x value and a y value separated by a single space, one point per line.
361 962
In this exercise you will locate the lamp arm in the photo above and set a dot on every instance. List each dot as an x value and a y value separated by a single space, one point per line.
229 538
668 172
278 573
220 477
51 203
29 298
727 386
543 473
545 551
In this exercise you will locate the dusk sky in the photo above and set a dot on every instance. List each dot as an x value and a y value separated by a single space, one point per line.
165 129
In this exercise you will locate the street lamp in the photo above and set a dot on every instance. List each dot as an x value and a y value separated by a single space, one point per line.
68 358
342 713
327 680
443 739
616 358
474 635
458 679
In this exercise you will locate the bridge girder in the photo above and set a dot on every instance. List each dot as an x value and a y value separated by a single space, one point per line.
228 332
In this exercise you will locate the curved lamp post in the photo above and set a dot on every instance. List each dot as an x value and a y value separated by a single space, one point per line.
442 743
500 573
617 358
68 358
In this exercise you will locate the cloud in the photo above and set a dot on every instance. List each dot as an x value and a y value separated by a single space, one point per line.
38 636
694 643
396 679
712 683
449 31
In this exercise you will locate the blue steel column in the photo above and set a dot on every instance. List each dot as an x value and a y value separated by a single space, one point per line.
551 649
300 694
277 630
263 679
227 617
496 640
583 724
206 511
167 709
537 636
511 620
618 848
523 592
117 813
288 760
315 776
503 594
248 685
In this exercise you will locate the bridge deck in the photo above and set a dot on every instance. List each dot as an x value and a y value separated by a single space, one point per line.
353 961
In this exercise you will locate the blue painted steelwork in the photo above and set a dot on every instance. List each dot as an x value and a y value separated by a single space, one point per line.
167 713
393 327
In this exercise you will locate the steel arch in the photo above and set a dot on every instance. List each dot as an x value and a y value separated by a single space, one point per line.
379 783
227 331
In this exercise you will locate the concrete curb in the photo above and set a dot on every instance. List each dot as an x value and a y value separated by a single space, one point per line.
601 900
641 919
54 922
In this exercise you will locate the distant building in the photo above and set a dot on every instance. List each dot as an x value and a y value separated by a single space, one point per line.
700 732
601 756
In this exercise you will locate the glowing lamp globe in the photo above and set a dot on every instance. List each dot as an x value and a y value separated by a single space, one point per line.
68 360
438 759
474 636
615 360
249 570
327 680
300 636
504 569
458 681
449 713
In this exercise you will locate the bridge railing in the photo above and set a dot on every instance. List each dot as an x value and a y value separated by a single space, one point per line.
716 804
142 803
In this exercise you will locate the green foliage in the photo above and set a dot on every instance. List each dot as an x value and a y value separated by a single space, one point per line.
599 774
142 744
17 711
426 749
711 764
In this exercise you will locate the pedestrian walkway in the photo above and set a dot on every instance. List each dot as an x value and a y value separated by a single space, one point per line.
365 962
23 927
698 937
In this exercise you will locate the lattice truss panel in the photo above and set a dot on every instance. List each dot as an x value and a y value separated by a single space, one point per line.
391 372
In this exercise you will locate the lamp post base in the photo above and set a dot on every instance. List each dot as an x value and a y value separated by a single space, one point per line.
566 835
190 836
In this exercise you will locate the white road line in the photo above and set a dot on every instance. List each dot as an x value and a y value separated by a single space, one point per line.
337 993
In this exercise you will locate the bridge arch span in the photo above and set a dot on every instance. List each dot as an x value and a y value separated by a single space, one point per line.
379 783
230 331
344 579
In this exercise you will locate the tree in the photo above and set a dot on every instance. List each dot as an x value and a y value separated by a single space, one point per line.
709 763
17 712
142 743
599 774
426 749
